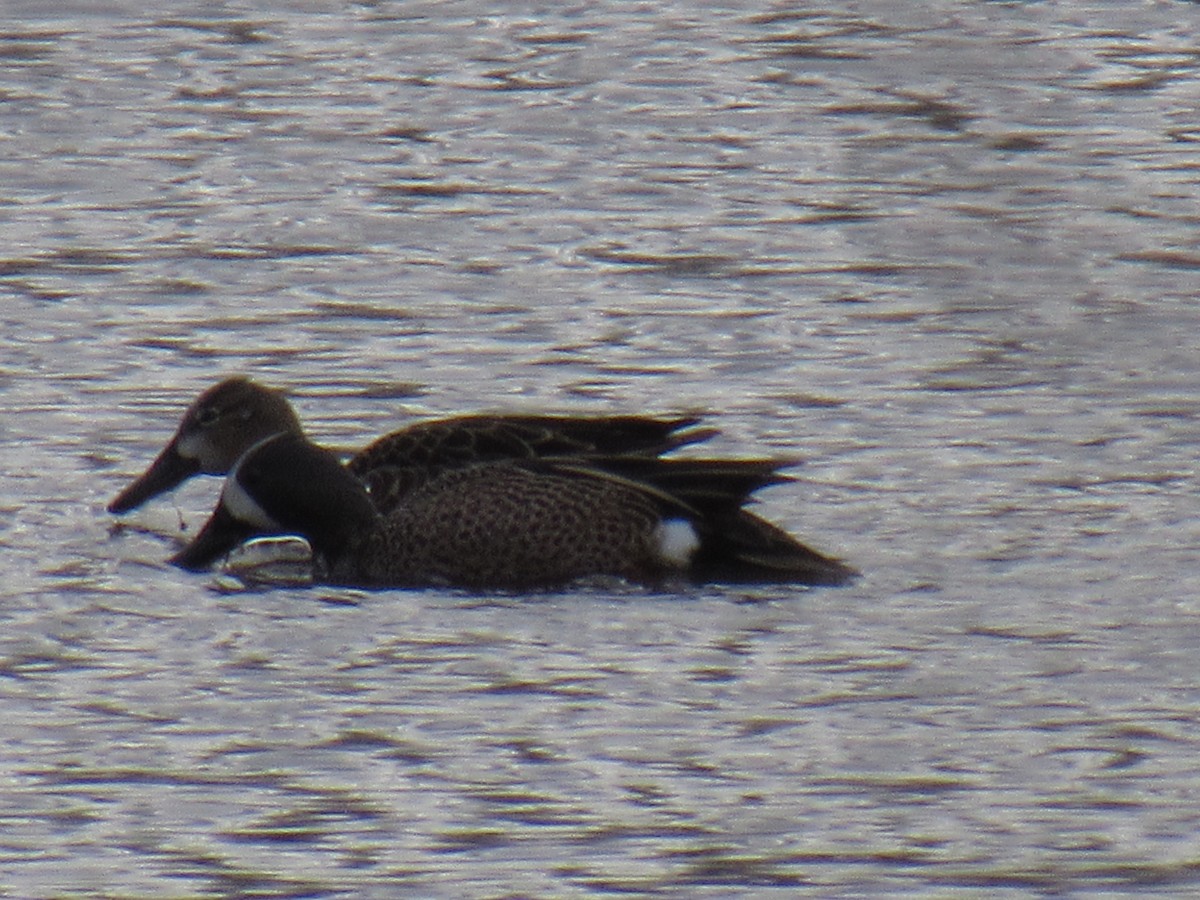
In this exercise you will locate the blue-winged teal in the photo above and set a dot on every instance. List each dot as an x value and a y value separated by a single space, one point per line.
234 415
526 498
513 524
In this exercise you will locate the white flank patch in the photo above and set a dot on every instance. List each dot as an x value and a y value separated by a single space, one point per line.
677 542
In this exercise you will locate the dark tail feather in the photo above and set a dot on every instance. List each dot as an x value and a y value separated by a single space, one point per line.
611 435
746 549
708 487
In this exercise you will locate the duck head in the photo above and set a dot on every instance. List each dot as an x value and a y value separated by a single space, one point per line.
221 425
284 485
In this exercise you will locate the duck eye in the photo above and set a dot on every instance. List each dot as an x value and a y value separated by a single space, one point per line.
207 416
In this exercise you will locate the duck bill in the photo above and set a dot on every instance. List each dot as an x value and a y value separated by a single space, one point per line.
164 473
220 534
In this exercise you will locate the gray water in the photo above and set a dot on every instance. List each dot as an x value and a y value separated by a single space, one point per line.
946 253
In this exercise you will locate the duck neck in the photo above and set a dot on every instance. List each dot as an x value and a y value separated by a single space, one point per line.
303 489
337 538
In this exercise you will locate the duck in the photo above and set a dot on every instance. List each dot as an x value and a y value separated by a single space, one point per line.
233 415
512 523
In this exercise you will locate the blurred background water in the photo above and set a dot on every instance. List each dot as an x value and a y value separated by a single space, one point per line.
947 253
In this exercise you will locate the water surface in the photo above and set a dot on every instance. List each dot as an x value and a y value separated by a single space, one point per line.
946 253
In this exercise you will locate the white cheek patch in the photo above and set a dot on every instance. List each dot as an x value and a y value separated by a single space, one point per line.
245 508
191 445
677 542
198 446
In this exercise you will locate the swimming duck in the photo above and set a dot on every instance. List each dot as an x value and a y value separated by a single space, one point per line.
512 523
232 416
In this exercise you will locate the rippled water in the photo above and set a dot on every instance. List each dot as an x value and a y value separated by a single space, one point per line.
947 253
